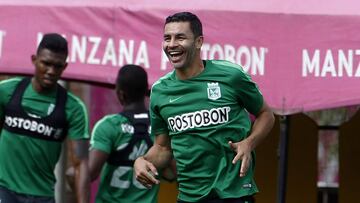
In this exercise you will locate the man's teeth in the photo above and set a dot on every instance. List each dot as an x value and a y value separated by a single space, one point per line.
174 53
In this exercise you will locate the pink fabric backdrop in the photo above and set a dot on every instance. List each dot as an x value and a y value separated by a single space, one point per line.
302 57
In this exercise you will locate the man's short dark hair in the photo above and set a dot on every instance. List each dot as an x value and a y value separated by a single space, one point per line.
55 43
195 23
133 80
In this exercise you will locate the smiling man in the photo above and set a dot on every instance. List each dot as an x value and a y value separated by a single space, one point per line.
199 115
36 115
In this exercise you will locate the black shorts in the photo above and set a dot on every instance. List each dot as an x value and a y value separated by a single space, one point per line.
246 199
8 196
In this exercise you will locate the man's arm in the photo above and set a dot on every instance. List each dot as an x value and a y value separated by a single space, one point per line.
79 159
96 161
158 157
263 124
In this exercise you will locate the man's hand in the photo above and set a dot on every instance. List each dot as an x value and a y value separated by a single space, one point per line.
243 153
262 125
145 172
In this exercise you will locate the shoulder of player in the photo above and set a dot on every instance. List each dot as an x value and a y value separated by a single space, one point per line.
74 102
230 71
112 119
108 122
10 83
162 80
226 66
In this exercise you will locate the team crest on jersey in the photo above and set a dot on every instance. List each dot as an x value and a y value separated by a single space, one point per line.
213 91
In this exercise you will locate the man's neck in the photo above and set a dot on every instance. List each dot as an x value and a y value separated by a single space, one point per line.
39 89
135 106
195 69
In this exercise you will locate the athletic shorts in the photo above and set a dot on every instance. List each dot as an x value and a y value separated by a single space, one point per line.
246 199
8 196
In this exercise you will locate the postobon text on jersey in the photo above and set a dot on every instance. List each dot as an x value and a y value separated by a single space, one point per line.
200 118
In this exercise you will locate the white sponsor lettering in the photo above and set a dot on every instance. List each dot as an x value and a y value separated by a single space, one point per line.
126 128
79 46
340 63
27 124
94 44
96 50
197 119
252 59
2 36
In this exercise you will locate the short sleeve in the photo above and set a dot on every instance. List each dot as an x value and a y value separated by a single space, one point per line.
247 91
158 125
77 118
102 136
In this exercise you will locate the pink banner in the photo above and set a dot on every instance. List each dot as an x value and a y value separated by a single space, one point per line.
301 62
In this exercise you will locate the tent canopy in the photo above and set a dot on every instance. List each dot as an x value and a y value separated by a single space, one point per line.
319 7
304 56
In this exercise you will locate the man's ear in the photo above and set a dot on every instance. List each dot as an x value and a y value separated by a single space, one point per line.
66 64
199 41
33 59
121 96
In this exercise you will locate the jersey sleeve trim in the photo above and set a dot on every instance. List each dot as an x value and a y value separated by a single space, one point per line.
86 117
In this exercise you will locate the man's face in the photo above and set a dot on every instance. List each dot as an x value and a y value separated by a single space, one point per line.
180 45
48 68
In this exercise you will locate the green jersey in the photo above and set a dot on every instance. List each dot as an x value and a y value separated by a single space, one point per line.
27 163
201 115
117 182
